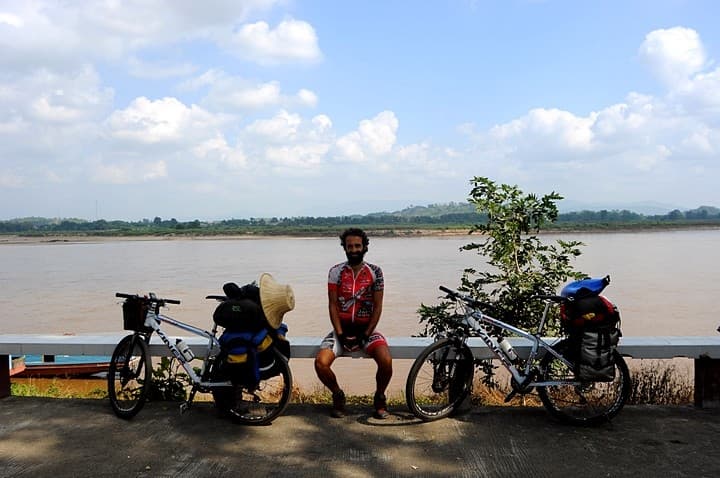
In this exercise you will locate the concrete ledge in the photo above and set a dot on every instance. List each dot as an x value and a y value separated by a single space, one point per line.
306 347
704 350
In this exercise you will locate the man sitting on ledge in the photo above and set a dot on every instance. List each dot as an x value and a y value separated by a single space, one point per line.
355 296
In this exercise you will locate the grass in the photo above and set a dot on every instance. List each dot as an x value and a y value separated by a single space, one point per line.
324 397
655 382
58 388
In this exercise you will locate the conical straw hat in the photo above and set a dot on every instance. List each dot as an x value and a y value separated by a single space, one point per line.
276 299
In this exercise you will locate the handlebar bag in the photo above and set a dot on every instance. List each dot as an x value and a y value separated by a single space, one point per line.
134 312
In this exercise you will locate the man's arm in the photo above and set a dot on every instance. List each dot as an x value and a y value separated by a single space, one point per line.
333 310
377 311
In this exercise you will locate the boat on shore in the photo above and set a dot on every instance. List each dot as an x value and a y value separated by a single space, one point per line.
66 366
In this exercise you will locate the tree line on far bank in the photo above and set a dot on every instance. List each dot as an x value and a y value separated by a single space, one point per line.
435 217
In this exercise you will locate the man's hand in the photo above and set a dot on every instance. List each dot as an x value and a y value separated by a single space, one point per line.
350 343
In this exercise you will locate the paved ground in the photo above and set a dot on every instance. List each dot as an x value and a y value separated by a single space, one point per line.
83 438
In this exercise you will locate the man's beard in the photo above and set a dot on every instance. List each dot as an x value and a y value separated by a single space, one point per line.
355 258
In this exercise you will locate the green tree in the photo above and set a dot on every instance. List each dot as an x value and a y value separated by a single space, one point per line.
520 263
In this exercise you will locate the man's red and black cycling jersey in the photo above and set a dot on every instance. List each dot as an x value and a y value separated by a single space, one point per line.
355 292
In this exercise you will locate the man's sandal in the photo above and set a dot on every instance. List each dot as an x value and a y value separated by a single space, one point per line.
380 404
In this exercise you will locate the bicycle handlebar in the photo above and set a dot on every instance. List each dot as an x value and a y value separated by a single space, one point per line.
475 303
552 298
466 298
152 298
448 291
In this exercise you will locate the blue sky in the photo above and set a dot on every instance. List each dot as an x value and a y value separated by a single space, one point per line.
220 109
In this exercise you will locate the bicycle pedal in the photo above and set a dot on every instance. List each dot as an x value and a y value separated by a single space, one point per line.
184 407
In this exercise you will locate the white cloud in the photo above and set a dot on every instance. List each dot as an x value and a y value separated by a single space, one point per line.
282 128
307 98
206 79
678 57
259 96
232 93
48 96
297 158
289 142
291 40
11 20
129 173
217 149
49 119
424 161
72 102
10 180
322 122
545 130
674 54
668 135
161 121
374 137
57 34
158 70
701 95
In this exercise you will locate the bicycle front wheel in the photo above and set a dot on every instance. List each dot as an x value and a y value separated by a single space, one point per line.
129 376
439 380
582 402
258 404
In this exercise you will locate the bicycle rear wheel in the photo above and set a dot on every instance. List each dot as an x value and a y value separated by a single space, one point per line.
129 376
582 403
257 404
439 380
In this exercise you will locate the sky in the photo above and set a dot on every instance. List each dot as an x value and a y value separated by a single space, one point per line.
224 109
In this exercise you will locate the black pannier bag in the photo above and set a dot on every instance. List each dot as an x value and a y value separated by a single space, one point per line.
240 315
596 360
248 339
592 324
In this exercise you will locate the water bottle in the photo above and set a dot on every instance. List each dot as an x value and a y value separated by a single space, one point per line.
184 349
508 349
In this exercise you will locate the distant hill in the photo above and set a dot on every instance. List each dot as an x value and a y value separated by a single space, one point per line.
449 215
431 210
644 209
648 208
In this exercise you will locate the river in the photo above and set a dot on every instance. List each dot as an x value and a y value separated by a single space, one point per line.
664 283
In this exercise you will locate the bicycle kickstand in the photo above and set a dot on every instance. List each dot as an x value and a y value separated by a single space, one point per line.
185 406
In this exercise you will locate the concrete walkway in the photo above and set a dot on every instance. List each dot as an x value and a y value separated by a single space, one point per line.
82 438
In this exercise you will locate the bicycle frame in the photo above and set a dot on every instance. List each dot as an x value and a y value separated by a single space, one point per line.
153 320
479 321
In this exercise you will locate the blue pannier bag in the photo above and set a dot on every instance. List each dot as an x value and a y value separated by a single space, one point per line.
249 357
242 354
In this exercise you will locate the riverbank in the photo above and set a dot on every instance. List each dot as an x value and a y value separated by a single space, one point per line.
84 238
387 233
